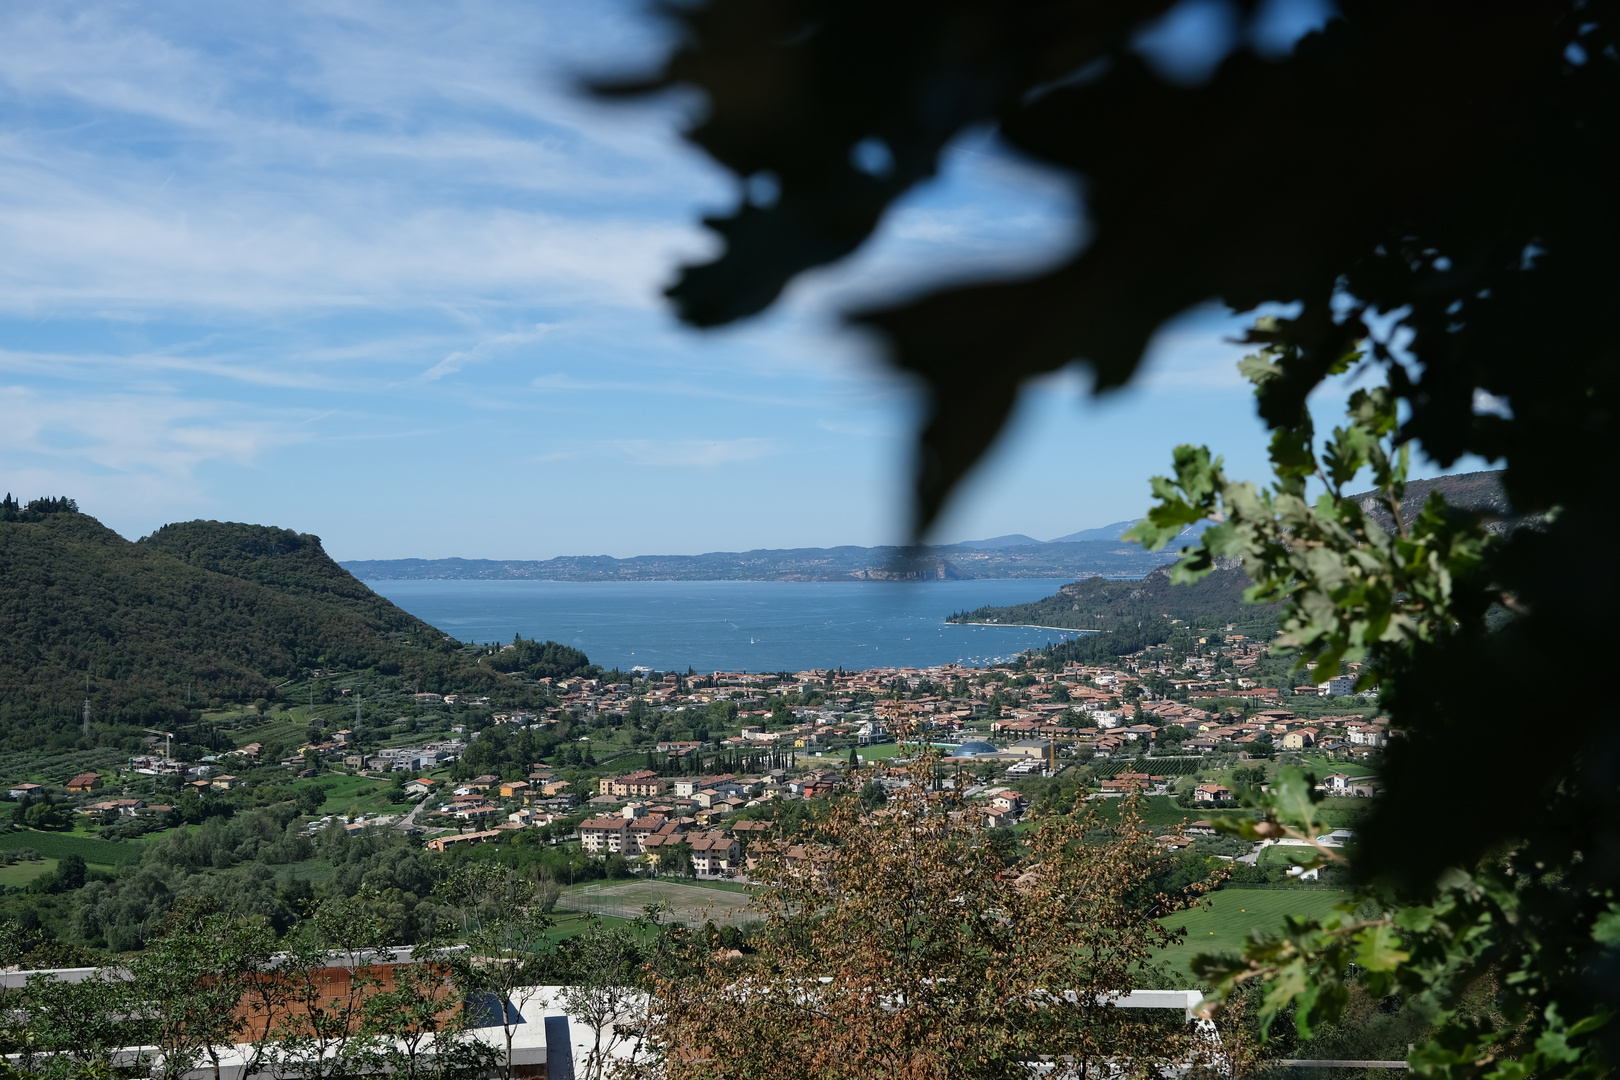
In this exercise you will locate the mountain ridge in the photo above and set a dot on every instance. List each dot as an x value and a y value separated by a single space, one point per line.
846 563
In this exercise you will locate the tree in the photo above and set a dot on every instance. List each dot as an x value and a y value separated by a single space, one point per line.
320 1033
420 1022
506 932
188 984
71 872
74 1029
604 991
914 943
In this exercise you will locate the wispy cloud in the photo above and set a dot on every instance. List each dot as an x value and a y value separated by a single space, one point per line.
483 350
694 453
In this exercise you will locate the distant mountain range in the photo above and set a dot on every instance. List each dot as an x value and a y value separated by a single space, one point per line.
1015 540
1000 557
1088 553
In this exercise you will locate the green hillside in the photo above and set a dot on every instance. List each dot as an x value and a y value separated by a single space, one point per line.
1131 615
1100 604
222 610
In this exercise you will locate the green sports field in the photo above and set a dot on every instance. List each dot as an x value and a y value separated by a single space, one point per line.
690 902
1223 923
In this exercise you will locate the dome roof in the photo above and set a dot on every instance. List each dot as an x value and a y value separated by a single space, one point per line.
973 748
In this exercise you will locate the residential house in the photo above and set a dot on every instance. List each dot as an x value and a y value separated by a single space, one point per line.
1007 800
1212 793
714 853
84 783
1299 739
687 786
514 789
225 783
420 786
641 828
996 817
680 748
24 791
746 831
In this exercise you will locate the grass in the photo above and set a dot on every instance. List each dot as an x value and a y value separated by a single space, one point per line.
56 845
22 873
1289 855
355 792
317 871
1158 811
571 924
1224 922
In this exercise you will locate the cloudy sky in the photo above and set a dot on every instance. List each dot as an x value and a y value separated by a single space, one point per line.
377 272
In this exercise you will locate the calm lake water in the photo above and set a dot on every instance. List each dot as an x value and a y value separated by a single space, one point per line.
734 625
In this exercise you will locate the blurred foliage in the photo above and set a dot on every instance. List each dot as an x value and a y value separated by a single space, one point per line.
1367 579
1432 188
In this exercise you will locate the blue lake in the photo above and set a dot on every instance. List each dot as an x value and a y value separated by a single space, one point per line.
734 625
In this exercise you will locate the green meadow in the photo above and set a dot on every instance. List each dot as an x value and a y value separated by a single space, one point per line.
1224 921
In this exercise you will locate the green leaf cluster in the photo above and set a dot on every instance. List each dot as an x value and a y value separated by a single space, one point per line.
1346 584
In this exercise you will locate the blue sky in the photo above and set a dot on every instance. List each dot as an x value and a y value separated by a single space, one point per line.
375 271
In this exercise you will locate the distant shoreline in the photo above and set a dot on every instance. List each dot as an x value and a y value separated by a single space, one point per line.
1025 625
1070 561
758 581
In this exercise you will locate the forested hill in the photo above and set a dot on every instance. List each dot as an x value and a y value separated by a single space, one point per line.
1099 604
232 610
1132 615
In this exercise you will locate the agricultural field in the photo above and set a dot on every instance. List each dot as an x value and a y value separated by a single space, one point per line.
48 767
56 845
1104 770
1223 923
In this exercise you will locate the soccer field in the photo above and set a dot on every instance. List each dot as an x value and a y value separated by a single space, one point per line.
1223 923
691 904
